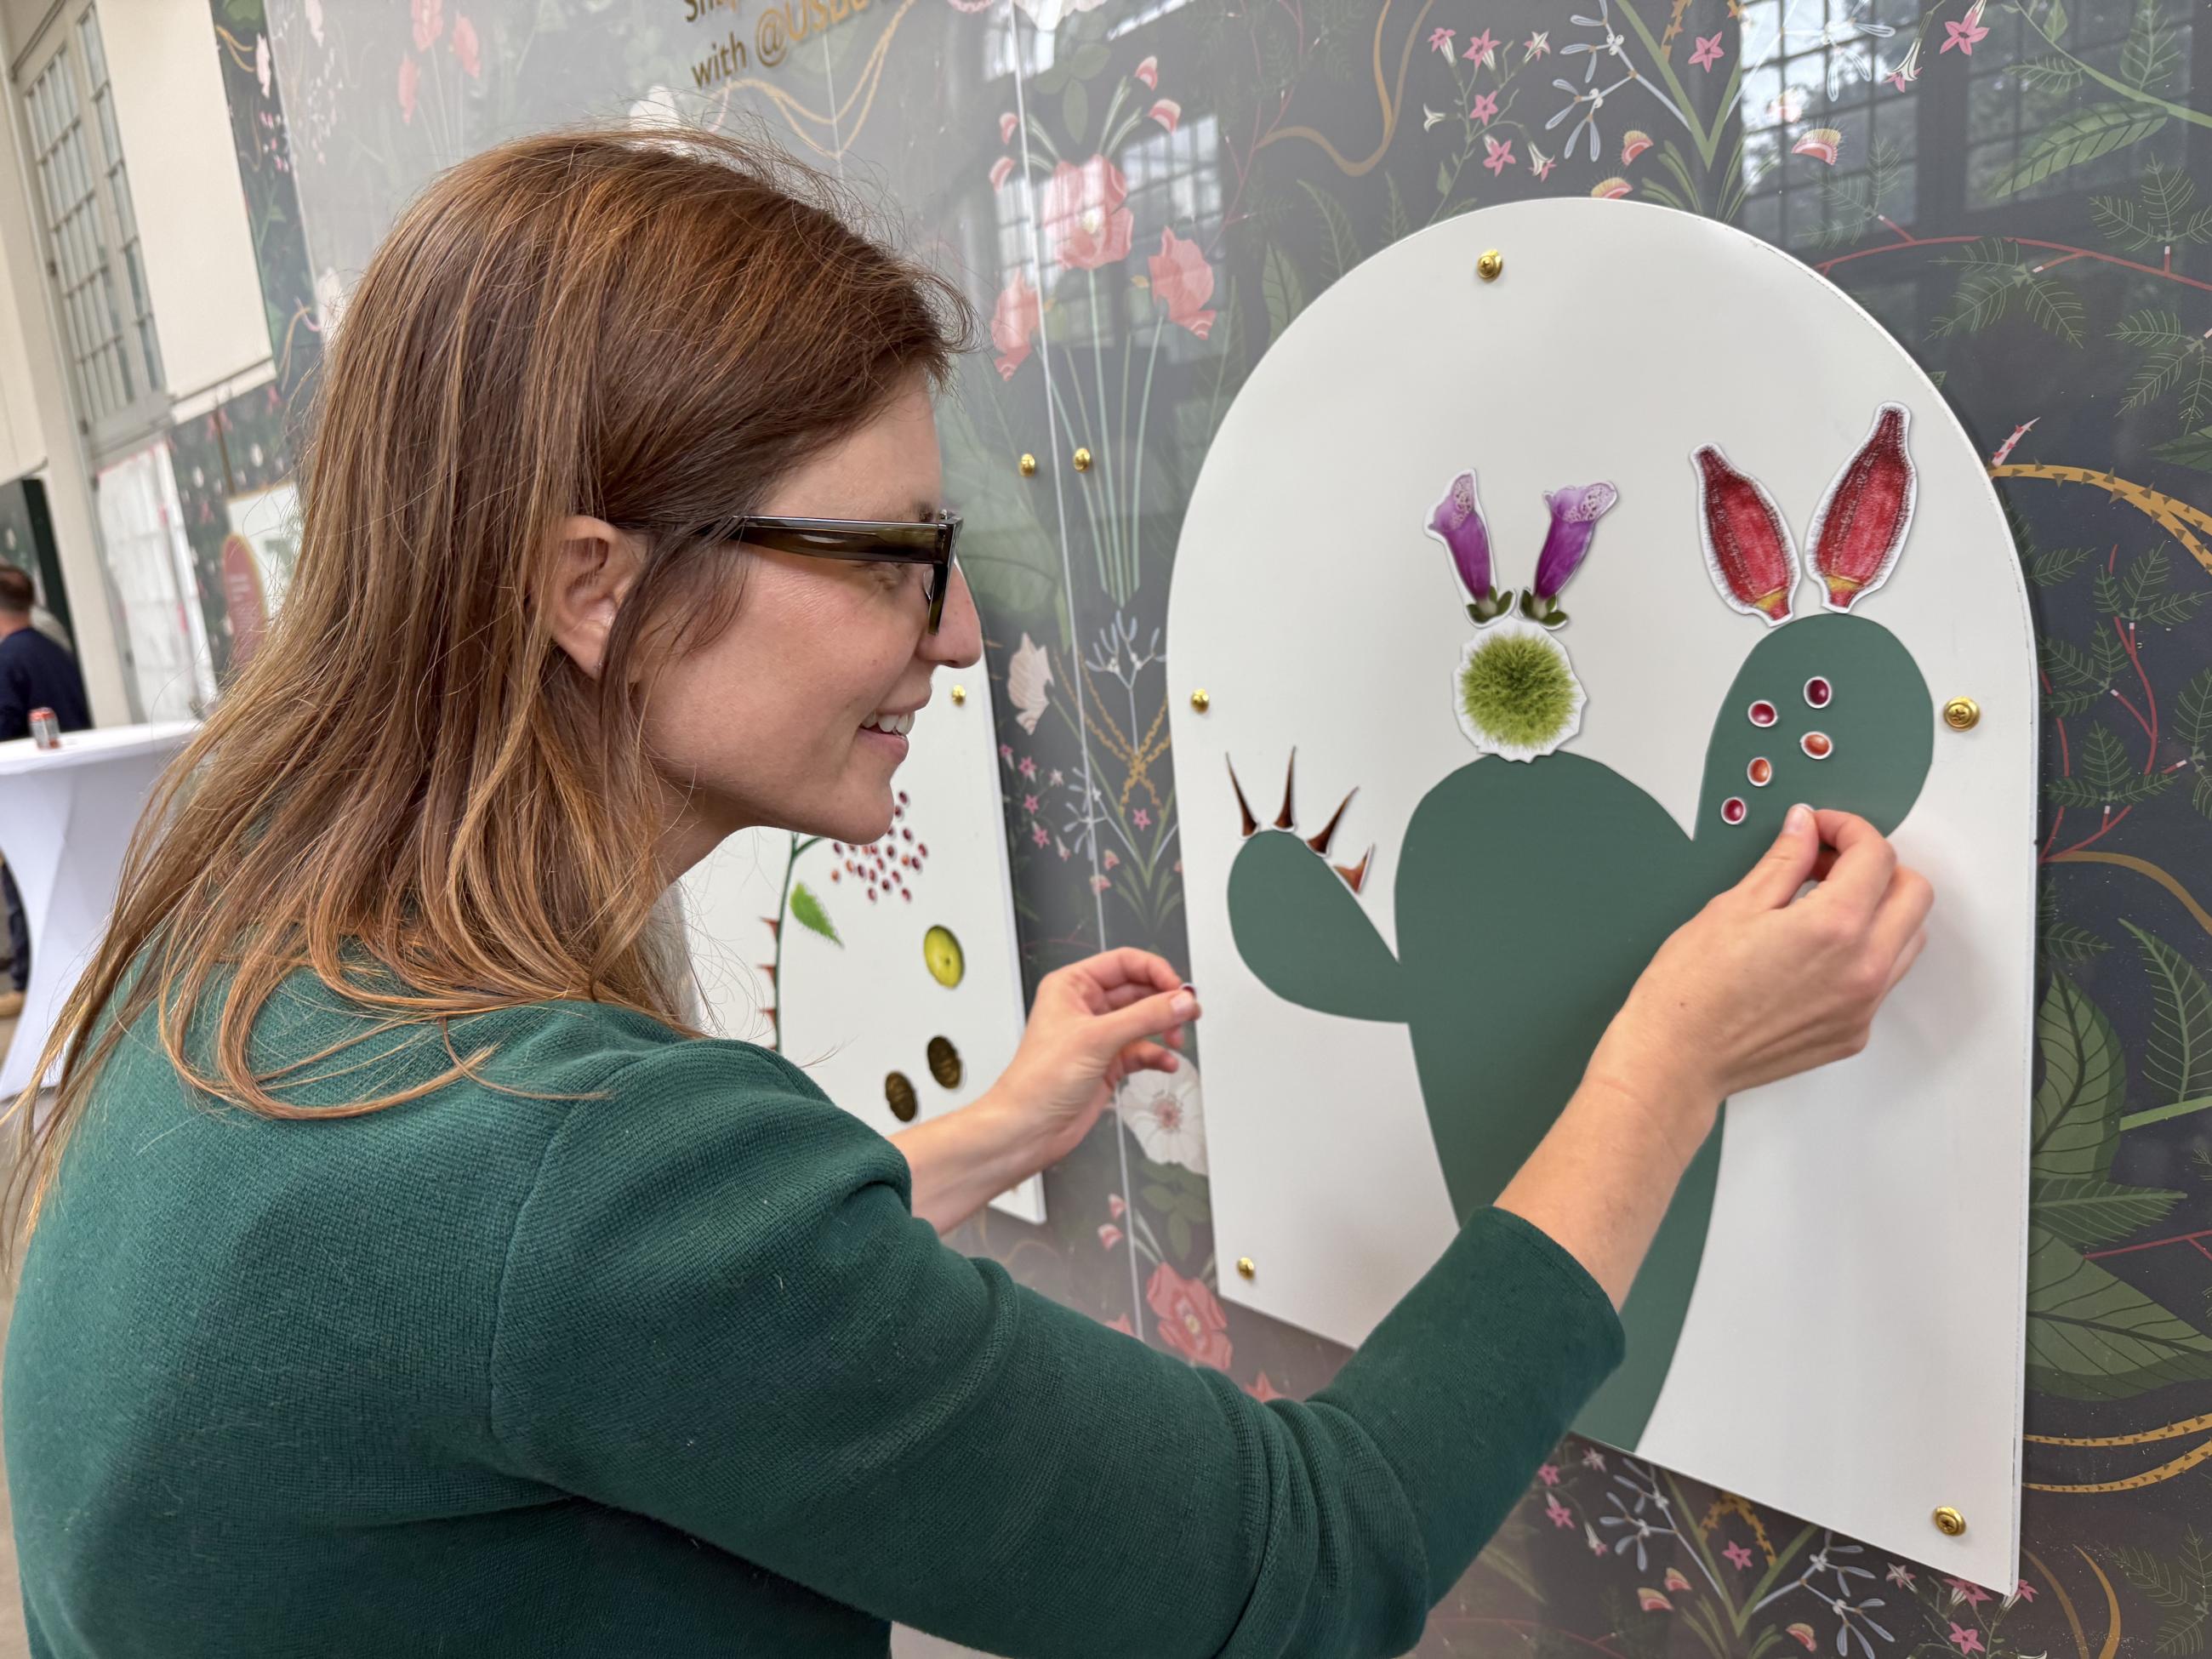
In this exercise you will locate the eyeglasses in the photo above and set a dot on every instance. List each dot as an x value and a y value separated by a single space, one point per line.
865 541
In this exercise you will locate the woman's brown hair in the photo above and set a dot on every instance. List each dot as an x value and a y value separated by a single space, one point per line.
410 790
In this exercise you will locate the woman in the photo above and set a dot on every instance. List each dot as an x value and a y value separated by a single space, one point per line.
406 1277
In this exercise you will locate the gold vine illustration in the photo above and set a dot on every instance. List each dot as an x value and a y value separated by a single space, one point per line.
2181 1465
794 112
2178 518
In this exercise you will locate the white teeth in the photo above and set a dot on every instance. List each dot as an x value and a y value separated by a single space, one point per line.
899 723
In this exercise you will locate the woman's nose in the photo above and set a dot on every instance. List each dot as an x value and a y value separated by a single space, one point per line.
958 641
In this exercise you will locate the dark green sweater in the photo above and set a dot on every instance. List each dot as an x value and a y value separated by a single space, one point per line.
655 1360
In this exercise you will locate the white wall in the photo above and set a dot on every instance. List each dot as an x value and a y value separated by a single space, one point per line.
197 246
22 446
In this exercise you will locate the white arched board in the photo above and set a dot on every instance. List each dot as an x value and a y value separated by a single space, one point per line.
869 1002
1851 1349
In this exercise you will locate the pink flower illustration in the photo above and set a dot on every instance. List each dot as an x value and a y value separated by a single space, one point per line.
1029 769
1012 321
1486 108
1441 40
1149 73
1006 750
1111 861
1677 1579
1141 818
1556 1512
1029 805
1482 48
1965 34
467 48
1001 170
1191 1321
1965 1638
1039 835
1900 1574
1540 164
1538 45
430 19
1085 219
1738 1556
1007 122
1803 1634
1167 112
1708 53
2024 1592
1183 281
409 77
1594 1459
1108 1236
1650 1600
1500 156
1972 1595
1120 1322
1116 1206
1548 1474
1262 1390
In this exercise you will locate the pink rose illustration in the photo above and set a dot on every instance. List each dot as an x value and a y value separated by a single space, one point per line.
410 75
429 17
1084 216
1149 73
1001 170
1191 1321
466 47
1183 281
1012 321
1167 112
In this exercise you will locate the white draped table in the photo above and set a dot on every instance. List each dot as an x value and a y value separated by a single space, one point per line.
65 818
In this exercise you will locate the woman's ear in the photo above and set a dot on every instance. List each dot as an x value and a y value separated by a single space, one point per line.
594 565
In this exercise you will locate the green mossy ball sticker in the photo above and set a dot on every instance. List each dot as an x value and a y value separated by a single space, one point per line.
1517 693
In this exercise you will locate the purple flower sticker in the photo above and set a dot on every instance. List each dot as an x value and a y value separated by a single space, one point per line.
1458 524
1575 513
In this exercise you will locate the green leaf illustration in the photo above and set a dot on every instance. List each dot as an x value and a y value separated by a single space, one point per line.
806 910
2192 710
2047 567
2080 136
1280 286
2077 679
2103 775
2061 940
1398 222
1991 271
2177 1061
2092 1336
2191 449
2181 1588
2157 216
2082 1211
1343 245
2084 1082
2150 56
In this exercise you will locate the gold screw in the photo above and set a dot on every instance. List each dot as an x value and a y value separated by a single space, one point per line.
1029 466
959 694
1949 1522
1246 1266
1961 714
1199 700
1490 266
1083 461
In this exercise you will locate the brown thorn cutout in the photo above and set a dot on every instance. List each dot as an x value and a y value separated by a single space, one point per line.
1283 819
1355 875
1320 842
1251 825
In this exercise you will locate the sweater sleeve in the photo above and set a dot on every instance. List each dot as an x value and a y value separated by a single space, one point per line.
718 1312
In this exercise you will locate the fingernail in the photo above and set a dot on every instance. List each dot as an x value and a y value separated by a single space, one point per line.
1184 1006
1188 987
1800 819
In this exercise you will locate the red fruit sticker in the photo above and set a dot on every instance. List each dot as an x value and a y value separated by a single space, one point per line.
1762 714
1749 552
1732 809
1818 692
1760 772
1816 744
1860 526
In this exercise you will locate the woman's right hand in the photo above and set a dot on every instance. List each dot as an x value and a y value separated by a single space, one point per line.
1762 984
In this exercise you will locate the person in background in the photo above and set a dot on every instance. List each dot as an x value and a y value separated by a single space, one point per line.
35 673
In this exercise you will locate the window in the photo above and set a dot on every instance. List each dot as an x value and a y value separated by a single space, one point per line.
92 236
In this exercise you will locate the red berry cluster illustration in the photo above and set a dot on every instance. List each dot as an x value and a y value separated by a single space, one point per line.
884 866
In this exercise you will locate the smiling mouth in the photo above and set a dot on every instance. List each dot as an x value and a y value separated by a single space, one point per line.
896 725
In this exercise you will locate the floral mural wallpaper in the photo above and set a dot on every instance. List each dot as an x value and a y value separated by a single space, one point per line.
1140 196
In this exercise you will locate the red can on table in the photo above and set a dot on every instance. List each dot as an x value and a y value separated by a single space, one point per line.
46 730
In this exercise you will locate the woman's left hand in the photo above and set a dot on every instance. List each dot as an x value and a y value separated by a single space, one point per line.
1093 1023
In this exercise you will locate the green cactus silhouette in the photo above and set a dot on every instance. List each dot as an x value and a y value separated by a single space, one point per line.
1530 895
